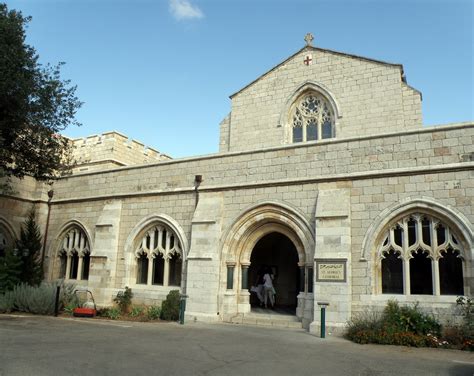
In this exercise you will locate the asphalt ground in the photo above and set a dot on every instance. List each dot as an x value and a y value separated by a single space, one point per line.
38 345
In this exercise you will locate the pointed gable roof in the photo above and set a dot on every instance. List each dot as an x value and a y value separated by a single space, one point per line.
311 48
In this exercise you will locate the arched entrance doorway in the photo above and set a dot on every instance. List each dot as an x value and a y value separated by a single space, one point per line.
277 251
274 234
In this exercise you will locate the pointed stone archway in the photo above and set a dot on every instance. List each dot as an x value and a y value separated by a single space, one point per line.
248 232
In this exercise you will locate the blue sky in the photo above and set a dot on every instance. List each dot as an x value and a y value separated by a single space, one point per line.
161 71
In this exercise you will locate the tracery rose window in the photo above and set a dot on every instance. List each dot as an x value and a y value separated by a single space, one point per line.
311 118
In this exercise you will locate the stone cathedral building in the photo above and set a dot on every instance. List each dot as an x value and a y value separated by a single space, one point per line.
324 173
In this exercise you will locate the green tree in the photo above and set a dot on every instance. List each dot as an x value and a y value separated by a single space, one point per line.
29 249
10 270
35 105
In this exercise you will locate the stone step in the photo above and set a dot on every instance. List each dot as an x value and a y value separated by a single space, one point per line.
281 321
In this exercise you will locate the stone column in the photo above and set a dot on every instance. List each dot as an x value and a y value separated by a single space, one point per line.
105 253
79 267
333 247
243 302
435 273
203 277
149 280
406 277
166 272
68 267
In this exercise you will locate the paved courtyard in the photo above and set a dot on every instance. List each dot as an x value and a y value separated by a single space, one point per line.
35 345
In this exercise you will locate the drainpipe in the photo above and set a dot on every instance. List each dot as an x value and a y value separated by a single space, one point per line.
50 197
197 183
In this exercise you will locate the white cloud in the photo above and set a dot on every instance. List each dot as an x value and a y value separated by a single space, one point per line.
183 9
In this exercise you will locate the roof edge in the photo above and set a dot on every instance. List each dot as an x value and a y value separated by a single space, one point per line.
316 49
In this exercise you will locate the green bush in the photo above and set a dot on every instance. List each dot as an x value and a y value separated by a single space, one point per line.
112 313
38 300
7 302
124 299
403 326
136 311
361 327
170 306
398 319
153 313
67 298
10 270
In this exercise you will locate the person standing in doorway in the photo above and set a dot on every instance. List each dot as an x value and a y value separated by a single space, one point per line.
268 290
259 282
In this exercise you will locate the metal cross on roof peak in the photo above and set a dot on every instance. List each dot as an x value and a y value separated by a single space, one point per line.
309 39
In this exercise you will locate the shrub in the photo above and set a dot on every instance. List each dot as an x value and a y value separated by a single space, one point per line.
7 301
10 270
466 306
361 327
408 339
170 306
409 319
102 312
153 312
136 311
124 299
67 298
39 300
404 326
112 313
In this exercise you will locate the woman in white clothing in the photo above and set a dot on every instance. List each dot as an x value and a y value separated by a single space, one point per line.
268 288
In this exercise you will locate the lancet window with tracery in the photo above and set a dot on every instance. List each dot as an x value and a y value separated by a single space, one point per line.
311 118
421 255
159 257
74 255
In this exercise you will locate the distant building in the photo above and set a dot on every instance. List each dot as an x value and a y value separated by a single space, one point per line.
325 174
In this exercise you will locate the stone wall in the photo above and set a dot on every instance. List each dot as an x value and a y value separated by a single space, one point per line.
358 158
375 172
27 194
110 150
371 96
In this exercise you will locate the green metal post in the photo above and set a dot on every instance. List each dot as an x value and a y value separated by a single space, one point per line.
182 308
323 322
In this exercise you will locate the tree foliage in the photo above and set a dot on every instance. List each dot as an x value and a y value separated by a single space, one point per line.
10 270
35 105
29 248
22 264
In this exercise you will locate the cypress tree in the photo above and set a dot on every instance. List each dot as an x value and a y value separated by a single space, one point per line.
29 249
10 270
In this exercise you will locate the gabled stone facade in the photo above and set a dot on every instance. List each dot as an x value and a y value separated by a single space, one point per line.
320 158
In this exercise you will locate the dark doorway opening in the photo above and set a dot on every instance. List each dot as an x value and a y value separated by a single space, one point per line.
278 252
